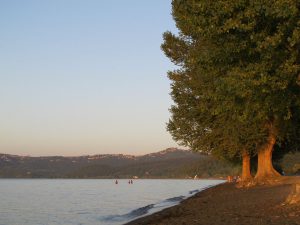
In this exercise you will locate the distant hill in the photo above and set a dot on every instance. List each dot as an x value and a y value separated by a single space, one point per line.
169 163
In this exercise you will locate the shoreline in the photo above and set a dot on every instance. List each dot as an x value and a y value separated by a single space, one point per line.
134 179
225 204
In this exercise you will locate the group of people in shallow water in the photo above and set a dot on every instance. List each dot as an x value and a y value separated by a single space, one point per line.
129 182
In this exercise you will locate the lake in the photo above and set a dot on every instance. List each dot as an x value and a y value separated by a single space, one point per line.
89 201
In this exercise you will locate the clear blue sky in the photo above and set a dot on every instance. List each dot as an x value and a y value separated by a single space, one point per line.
84 77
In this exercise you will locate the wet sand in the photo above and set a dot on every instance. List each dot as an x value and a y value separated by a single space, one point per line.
226 204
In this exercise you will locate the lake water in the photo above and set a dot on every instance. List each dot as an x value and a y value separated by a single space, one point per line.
89 202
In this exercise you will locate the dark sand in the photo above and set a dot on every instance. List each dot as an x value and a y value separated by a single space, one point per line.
226 204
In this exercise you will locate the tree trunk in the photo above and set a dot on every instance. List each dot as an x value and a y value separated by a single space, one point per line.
265 167
246 174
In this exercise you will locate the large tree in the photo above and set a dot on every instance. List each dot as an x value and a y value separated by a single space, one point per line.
235 89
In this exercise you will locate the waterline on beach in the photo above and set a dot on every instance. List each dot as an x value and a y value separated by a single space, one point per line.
68 202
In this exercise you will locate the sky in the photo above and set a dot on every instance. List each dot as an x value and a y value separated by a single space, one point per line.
84 77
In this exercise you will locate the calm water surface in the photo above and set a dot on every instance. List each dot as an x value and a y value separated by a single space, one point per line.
89 202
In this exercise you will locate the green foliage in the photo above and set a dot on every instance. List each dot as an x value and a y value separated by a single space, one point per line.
238 67
291 163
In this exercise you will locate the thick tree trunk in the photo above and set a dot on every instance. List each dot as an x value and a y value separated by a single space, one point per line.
246 174
265 167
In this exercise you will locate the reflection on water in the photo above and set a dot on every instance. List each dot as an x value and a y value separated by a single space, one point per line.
89 202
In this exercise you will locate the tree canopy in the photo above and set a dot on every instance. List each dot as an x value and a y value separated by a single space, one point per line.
237 79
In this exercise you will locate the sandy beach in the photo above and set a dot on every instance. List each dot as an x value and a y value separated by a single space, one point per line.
226 204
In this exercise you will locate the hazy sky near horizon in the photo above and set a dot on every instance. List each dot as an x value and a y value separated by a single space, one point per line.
84 77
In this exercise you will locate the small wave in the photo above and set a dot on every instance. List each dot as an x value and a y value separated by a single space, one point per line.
193 191
148 209
133 214
139 212
175 199
144 210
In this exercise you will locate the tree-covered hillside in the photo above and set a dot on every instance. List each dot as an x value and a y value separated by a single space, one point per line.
170 163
